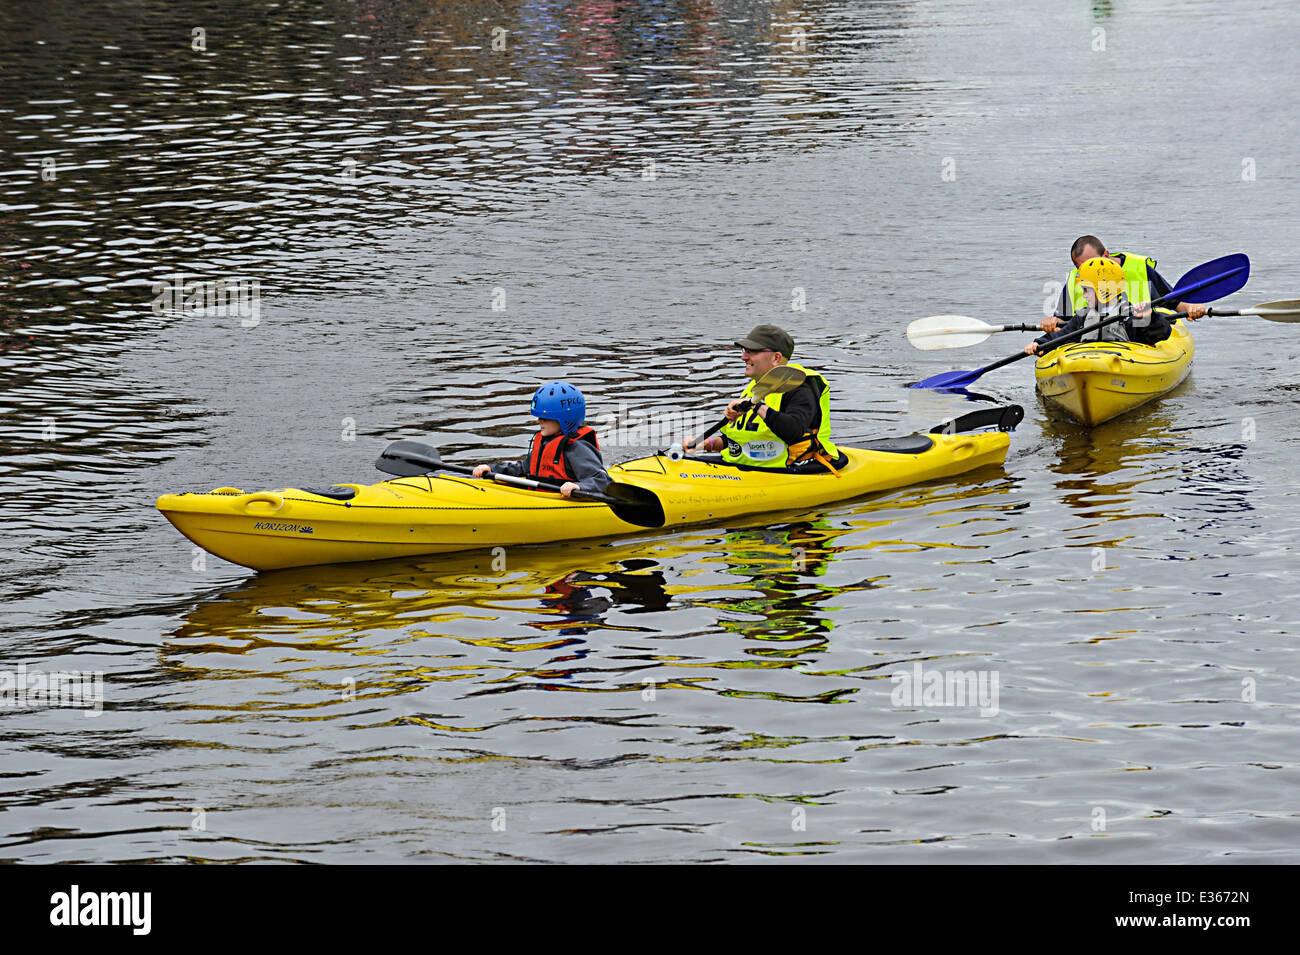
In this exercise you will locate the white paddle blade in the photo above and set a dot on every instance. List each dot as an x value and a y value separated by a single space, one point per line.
948 331
1287 310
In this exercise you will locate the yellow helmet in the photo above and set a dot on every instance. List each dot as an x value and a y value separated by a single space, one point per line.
1103 276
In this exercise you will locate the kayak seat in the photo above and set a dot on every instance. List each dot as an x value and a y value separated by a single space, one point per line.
908 444
337 493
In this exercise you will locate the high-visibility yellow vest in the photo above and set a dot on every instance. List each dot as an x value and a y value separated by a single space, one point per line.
1137 283
749 441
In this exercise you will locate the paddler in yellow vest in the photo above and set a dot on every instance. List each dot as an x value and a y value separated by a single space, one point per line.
791 430
1141 284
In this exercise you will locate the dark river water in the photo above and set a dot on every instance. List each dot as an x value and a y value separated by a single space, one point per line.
445 204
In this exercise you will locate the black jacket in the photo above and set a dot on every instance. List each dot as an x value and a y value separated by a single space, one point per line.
800 412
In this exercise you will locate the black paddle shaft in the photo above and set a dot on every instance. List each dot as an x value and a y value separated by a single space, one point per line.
741 408
412 457
1074 335
540 484
1175 292
632 504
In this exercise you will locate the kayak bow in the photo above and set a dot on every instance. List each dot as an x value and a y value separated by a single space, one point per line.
1097 381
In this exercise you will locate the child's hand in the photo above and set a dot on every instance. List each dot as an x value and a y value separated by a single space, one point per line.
1031 348
482 469
567 488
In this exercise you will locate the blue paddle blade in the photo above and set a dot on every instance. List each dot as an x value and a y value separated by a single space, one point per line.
1213 280
948 379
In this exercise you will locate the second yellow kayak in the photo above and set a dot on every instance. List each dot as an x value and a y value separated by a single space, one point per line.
1097 381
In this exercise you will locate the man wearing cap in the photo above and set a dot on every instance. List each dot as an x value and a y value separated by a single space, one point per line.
782 430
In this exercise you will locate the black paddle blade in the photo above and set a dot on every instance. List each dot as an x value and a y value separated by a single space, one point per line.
1004 418
635 505
408 459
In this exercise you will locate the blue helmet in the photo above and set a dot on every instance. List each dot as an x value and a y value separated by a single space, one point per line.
562 402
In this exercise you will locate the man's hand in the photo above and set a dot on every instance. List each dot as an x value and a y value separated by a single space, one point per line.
1050 324
1193 311
482 469
1031 348
733 409
567 488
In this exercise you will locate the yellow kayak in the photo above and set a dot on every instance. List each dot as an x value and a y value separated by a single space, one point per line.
1097 381
434 514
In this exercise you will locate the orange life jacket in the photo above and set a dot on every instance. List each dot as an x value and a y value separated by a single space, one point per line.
546 455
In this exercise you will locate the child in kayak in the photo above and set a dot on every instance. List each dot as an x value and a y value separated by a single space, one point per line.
1102 282
1142 281
564 448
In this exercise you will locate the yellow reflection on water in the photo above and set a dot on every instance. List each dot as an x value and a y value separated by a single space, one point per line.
590 617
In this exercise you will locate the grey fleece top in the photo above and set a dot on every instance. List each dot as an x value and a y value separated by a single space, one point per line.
583 461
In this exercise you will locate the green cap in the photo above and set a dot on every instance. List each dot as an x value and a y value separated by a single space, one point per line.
764 337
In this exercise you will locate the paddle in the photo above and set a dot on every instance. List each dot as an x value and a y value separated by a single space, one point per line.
634 505
1287 310
955 331
928 334
1205 283
775 381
